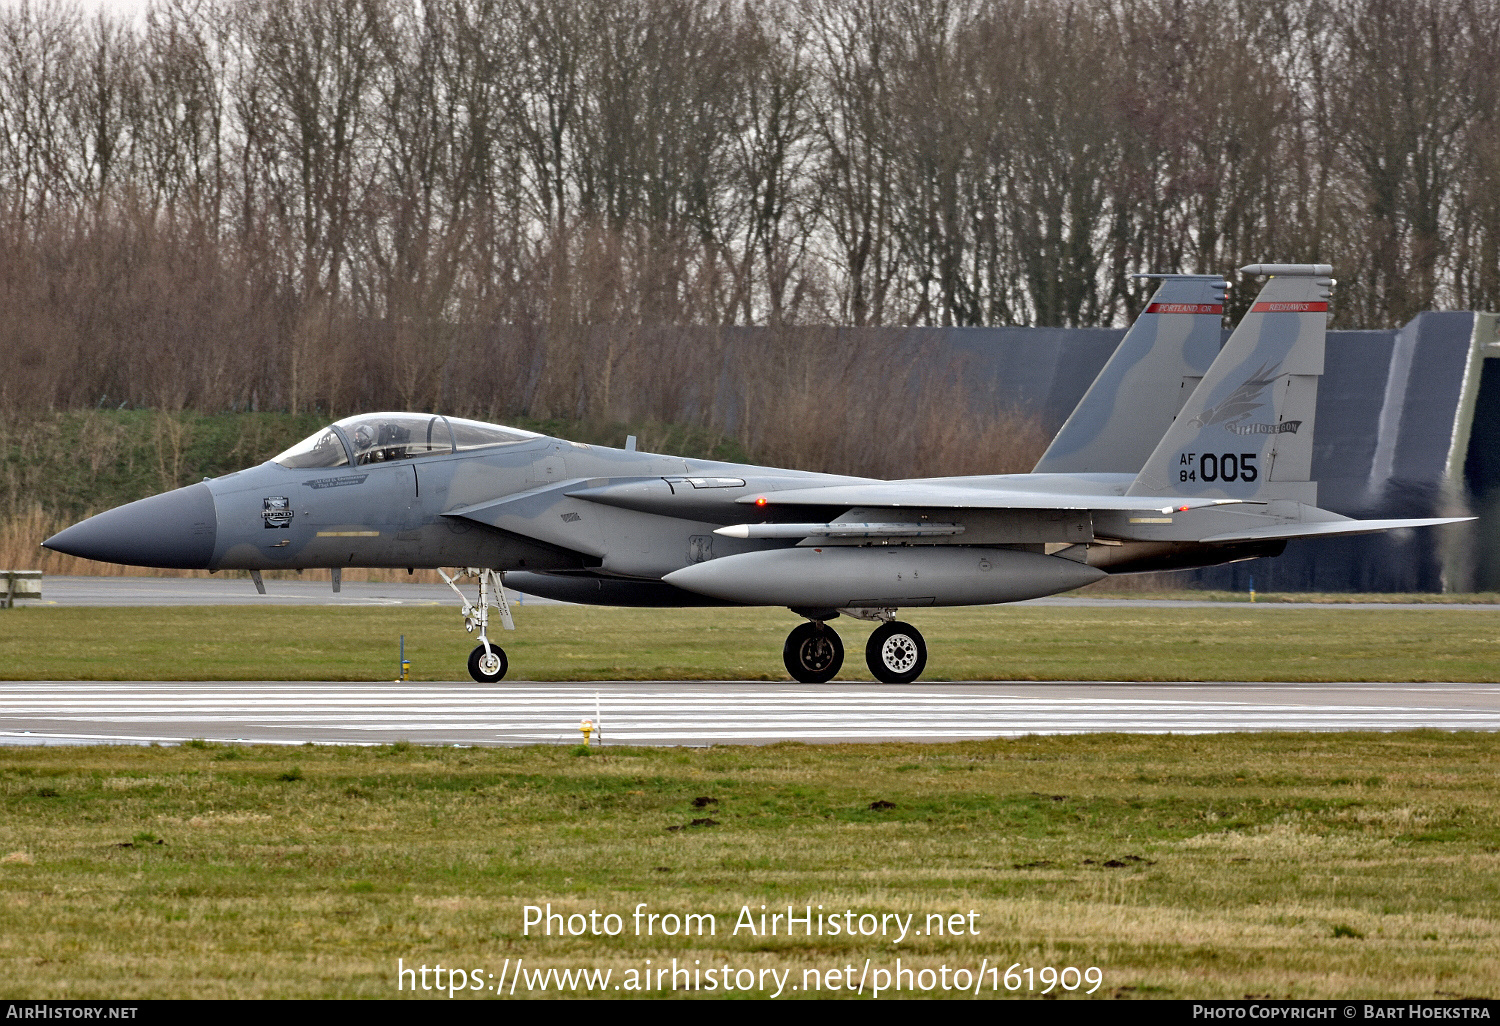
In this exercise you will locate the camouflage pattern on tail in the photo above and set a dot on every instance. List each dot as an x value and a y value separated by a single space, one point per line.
1247 430
1157 365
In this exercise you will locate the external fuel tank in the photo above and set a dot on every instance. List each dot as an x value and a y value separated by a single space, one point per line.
853 577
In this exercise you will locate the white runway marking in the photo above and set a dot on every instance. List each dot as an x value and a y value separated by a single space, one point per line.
660 713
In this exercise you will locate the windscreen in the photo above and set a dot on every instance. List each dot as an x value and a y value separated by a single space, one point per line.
323 449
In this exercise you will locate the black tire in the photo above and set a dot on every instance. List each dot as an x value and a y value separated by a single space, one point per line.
813 653
896 653
477 671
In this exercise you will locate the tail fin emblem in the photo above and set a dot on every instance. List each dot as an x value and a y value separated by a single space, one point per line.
1240 403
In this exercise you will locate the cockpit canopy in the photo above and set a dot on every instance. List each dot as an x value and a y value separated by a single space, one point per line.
382 437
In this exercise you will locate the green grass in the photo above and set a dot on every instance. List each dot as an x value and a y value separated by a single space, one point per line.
1118 588
1236 642
1215 866
78 461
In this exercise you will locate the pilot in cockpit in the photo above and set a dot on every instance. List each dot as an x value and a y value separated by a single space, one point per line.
380 442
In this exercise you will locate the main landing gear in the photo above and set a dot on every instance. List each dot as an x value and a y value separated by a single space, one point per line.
895 653
813 653
487 663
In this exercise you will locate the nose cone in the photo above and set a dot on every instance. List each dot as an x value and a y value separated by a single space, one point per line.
175 530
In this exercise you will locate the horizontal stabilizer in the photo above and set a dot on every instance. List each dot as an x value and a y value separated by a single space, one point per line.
1336 528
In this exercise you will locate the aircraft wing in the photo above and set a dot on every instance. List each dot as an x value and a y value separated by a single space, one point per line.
1331 529
1209 527
922 494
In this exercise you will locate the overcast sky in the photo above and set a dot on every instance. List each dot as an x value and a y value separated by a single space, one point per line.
115 6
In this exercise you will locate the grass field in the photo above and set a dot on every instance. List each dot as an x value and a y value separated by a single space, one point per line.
1324 865
1236 642
1209 866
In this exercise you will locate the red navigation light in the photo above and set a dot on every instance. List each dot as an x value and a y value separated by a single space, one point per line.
1183 509
760 500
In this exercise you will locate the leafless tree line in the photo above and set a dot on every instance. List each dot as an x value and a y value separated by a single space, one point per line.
499 206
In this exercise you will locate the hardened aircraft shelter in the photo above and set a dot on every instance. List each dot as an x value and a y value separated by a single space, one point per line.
1408 425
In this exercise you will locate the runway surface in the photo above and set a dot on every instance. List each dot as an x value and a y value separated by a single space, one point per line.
664 713
232 591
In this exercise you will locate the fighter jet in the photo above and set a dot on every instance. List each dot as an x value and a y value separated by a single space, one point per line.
1180 455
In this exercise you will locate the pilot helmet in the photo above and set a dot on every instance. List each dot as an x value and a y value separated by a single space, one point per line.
363 437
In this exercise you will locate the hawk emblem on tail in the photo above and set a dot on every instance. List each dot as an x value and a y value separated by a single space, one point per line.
1242 402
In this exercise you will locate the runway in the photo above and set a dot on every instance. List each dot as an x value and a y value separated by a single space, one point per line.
665 713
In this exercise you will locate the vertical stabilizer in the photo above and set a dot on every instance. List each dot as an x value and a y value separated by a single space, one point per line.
1247 430
1151 374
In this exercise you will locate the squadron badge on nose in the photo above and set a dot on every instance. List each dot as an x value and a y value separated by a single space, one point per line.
277 512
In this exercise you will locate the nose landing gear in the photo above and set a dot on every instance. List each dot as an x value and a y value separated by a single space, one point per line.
487 663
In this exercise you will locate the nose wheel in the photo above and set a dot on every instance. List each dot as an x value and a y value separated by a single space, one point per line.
487 663
896 653
813 653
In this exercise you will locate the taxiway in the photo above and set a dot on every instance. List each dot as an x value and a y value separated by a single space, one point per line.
666 713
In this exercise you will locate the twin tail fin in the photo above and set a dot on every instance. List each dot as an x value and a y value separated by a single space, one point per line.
1156 366
1247 430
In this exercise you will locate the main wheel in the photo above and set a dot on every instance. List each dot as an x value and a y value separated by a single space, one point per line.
896 653
488 667
813 653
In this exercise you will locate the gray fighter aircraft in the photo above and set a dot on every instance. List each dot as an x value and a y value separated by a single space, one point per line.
1180 455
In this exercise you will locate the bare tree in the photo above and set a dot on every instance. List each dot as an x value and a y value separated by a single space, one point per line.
554 208
853 40
1061 154
773 152
1403 71
38 50
318 63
